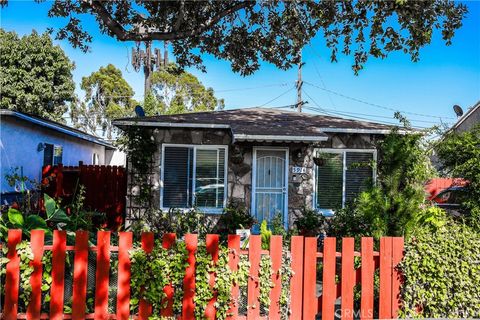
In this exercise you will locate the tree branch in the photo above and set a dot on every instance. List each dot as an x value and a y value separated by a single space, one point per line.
123 35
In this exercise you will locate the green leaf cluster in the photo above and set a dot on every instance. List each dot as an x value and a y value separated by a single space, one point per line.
150 273
246 32
35 75
393 205
459 154
442 273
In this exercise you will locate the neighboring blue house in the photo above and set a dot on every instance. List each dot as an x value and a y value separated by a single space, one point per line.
29 142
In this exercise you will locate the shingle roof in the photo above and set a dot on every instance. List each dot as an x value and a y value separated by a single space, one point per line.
260 122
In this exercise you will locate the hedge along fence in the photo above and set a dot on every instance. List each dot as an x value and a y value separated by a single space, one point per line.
302 259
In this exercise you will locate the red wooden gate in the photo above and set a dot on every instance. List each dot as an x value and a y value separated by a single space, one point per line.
304 303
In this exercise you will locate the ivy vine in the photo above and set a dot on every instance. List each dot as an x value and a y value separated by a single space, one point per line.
150 273
265 274
139 145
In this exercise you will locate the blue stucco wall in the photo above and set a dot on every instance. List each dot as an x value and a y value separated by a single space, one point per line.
19 141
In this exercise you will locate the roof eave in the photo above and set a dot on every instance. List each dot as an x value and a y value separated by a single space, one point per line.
279 138
139 123
52 126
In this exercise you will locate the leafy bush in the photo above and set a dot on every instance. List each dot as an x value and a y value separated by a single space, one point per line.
309 223
442 273
235 216
459 154
391 206
175 221
55 217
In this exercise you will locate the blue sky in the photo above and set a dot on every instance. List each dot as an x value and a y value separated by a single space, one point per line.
425 91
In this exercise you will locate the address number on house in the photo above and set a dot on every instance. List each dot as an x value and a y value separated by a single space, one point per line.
299 170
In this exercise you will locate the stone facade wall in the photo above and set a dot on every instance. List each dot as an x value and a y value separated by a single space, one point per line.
239 172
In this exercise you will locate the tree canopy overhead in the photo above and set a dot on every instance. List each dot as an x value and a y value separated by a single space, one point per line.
35 75
245 32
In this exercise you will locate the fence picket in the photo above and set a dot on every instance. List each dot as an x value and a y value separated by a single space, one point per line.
276 256
397 255
386 271
124 269
102 274
253 288
310 279
145 308
367 278
12 279
348 277
167 242
296 282
80 267
36 242
58 274
303 289
212 242
233 260
328 285
188 307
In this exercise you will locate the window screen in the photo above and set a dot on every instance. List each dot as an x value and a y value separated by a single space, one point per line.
193 168
333 190
330 181
358 174
177 177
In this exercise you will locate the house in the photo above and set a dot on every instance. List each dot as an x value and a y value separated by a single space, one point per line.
270 160
27 143
469 119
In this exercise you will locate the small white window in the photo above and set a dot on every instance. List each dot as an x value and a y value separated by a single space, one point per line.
194 176
95 159
341 175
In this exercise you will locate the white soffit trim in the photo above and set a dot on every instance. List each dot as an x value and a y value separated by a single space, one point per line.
170 124
261 137
354 130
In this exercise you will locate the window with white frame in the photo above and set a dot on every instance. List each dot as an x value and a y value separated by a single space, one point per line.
341 175
194 176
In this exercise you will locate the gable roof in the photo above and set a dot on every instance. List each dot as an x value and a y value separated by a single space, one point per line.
260 124
59 127
467 115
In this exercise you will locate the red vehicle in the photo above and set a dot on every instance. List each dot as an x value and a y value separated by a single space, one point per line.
447 193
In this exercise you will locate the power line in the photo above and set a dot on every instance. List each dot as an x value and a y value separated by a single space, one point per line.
277 97
253 88
374 104
320 76
318 108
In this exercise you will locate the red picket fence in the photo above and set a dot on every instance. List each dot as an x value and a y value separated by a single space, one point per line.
304 302
105 188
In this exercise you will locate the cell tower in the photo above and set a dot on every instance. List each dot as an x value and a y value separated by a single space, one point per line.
148 60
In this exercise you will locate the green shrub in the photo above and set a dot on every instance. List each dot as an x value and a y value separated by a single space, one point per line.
442 273
459 155
309 223
235 216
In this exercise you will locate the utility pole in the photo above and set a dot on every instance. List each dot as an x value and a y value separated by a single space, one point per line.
299 83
